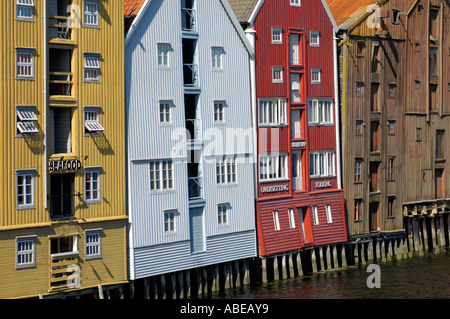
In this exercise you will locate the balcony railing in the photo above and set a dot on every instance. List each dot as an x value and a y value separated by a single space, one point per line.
194 131
59 29
195 185
191 75
60 83
65 271
189 20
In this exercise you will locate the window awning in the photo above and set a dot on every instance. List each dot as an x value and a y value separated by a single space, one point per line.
94 127
27 127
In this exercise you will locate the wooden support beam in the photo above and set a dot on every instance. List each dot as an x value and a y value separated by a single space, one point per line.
328 265
299 264
314 260
343 256
100 292
264 270
146 288
283 267
322 262
335 257
291 266
276 274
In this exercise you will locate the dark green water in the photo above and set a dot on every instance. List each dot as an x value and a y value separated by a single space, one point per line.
418 277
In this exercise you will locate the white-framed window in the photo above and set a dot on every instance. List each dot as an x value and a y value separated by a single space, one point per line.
25 252
291 218
315 215
272 111
165 111
25 120
314 38
328 211
61 246
295 88
25 188
161 175
222 214
296 3
273 167
320 112
91 15
25 63
169 221
25 10
277 74
163 55
217 58
219 116
92 185
91 67
93 243
321 164
226 170
276 220
277 35
92 120
315 76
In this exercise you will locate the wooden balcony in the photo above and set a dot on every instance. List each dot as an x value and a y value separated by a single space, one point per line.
64 271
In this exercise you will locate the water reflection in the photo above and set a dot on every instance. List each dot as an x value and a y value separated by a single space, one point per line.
419 277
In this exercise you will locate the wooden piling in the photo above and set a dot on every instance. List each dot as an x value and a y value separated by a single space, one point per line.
343 256
205 281
188 284
284 267
291 266
162 279
264 270
322 262
383 251
100 292
356 253
441 228
363 254
328 261
276 274
246 269
389 252
335 257
181 284
370 251
237 274
314 260
146 288
434 235
377 250
424 227
299 265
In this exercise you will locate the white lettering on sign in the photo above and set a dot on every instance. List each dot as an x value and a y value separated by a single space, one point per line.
272 189
69 165
323 184
298 144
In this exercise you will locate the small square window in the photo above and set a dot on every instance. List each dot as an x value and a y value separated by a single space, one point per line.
314 38
91 16
217 58
25 10
92 185
93 242
165 111
222 214
417 84
169 221
25 64
277 35
92 120
315 76
25 252
361 45
92 68
163 55
25 189
417 46
277 74
359 89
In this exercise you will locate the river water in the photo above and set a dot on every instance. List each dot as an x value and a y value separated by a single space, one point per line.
418 277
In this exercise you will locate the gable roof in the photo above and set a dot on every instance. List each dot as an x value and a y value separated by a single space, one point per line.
347 12
132 7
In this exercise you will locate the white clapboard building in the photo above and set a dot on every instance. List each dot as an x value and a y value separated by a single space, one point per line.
190 170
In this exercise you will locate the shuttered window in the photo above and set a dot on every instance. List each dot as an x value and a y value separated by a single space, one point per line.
93 242
26 119
25 252
91 16
24 9
92 68
196 231
92 121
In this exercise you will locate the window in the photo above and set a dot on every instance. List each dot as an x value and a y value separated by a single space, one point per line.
391 207
418 134
328 211
217 55
320 112
358 209
165 113
91 68
277 74
272 111
25 10
294 50
358 170
25 64
169 221
163 55
63 245
25 189
391 127
314 38
276 221
359 89
315 215
273 167
321 164
93 242
222 214
277 35
26 119
433 61
92 185
295 88
218 112
359 127
291 218
91 120
296 3
226 170
315 76
91 14
440 144
161 175
395 16
434 24
392 90
25 252
361 45
391 169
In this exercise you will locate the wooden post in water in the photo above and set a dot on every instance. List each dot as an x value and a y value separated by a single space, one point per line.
328 266
389 252
423 223
291 266
237 271
246 269
433 235
299 264
370 251
415 234
276 273
383 251
154 288
264 270
100 292
147 288
228 273
440 219
363 254
283 267
205 281
356 253
188 283
335 257
314 260
181 284
162 279
322 263
343 256
199 281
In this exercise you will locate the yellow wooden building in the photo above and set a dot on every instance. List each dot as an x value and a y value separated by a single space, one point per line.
62 143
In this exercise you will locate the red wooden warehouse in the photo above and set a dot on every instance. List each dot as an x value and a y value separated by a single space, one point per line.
300 199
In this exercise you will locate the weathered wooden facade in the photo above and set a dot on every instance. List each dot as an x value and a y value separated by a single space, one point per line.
394 87
189 140
300 199
62 182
